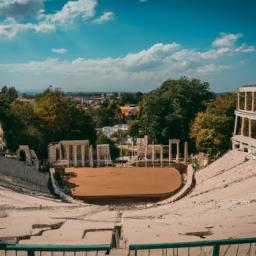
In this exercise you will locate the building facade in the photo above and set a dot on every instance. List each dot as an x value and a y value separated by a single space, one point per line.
244 135
78 153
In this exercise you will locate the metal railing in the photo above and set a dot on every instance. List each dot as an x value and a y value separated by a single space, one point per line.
232 247
33 250
215 248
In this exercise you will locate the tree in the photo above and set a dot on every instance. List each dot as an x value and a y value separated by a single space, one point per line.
135 129
131 98
7 96
9 93
212 129
102 139
108 114
4 108
60 119
21 127
168 111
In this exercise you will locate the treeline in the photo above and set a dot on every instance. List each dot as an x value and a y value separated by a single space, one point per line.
182 108
53 118
188 110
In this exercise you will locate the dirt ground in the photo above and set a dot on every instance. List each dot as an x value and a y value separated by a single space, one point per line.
124 182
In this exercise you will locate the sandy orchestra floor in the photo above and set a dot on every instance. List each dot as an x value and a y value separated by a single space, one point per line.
124 182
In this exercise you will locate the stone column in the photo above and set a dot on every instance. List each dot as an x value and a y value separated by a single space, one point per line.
83 154
178 152
242 126
170 152
60 151
98 156
250 128
67 153
235 128
185 152
146 152
253 101
245 101
238 101
161 155
153 155
75 155
90 156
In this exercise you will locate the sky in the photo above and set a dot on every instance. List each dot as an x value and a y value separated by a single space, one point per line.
126 45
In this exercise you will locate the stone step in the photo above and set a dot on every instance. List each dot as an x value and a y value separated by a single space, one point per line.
118 252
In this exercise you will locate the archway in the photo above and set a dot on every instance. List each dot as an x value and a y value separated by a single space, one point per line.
22 156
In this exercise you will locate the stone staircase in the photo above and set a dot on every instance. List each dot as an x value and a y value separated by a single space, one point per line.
119 252
20 176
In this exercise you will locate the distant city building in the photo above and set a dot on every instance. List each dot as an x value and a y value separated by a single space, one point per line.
128 110
91 101
31 101
110 130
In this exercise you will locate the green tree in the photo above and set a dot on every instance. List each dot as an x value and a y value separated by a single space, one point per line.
21 127
61 119
212 129
108 114
55 117
168 111
135 129
131 98
9 93
4 108
102 139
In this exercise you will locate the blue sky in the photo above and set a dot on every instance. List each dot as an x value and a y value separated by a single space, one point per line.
126 45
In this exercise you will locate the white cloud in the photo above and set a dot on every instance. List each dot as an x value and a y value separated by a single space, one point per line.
106 16
59 50
151 58
226 40
245 48
211 68
10 28
19 8
72 10
214 54
134 71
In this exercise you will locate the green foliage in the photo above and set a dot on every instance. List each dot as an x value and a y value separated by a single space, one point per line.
135 129
212 129
60 119
131 98
167 112
4 108
102 139
55 117
21 126
9 93
108 114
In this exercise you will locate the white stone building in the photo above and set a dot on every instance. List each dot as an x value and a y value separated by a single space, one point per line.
244 135
78 153
71 153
